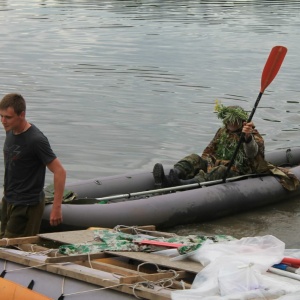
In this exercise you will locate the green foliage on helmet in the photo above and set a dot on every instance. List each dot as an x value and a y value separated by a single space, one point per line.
231 114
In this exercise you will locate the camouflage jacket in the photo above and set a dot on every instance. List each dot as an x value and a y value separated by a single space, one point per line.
221 149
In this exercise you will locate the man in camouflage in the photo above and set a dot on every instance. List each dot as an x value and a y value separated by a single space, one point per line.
212 164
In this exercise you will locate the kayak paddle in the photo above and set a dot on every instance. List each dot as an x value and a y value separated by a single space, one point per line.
270 70
169 189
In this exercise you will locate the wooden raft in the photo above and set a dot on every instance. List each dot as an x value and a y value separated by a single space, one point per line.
117 270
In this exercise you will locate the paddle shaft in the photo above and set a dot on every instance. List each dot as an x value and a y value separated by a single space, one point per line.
270 70
284 273
176 188
241 138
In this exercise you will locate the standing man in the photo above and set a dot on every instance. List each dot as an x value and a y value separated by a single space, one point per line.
27 153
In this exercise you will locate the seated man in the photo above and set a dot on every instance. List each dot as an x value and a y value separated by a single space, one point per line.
212 164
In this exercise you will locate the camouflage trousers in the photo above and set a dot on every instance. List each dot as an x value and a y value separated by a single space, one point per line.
194 166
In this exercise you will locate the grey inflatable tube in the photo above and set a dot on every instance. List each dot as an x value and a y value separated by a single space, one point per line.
143 181
181 207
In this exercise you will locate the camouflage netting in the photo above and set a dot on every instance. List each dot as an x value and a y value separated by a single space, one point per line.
107 240
68 196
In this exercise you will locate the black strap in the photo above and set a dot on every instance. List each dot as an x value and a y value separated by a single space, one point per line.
31 284
3 273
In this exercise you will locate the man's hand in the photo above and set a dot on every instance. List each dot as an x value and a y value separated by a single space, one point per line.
248 129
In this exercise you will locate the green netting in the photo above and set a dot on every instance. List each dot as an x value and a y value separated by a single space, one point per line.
68 196
107 240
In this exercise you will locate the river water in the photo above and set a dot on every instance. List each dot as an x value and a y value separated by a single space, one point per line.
120 85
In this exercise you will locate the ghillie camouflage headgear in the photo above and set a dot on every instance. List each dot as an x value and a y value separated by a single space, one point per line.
231 114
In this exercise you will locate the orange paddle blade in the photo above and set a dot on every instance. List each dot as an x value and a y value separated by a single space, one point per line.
272 66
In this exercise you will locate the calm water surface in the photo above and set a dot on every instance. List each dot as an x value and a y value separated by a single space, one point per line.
119 85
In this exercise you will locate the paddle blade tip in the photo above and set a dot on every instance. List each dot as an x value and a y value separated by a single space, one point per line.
272 66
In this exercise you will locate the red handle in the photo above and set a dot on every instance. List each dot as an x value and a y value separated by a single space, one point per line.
159 243
291 260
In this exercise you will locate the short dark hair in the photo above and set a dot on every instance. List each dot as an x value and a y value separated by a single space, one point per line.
14 100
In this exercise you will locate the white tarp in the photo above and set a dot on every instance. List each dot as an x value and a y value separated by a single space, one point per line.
238 270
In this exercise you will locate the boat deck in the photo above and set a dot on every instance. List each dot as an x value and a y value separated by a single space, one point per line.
113 275
138 274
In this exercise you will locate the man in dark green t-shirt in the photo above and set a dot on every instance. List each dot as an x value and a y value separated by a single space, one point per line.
27 153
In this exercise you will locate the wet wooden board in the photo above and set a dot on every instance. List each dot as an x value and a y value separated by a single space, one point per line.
160 260
108 263
116 270
19 241
152 258
86 274
130 267
69 237
84 236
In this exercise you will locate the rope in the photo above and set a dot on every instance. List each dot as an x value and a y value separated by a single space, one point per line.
89 260
36 266
136 229
118 228
164 283
94 290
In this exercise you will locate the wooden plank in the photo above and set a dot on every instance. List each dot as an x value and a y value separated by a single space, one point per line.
133 230
18 241
151 277
70 237
151 258
96 279
25 260
108 263
160 260
165 261
140 291
114 265
84 236
36 248
121 262
88 275
115 261
150 229
186 265
162 234
127 271
130 230
74 258
122 271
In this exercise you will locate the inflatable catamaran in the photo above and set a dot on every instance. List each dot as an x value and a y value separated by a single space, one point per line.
130 199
